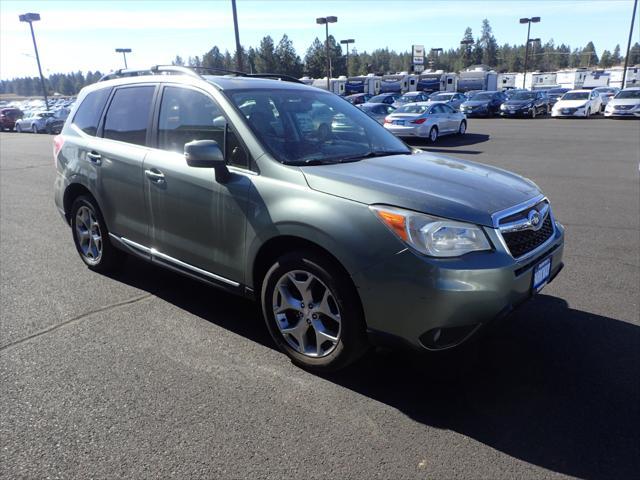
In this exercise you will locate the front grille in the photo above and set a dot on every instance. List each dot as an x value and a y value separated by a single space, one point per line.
623 107
523 242
569 110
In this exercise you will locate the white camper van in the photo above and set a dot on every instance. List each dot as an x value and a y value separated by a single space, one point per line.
507 81
572 78
363 84
596 78
336 85
543 80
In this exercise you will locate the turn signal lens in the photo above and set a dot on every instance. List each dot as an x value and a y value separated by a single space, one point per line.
386 120
396 222
58 141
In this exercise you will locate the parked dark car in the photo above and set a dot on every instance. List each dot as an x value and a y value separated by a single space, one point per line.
483 104
554 94
388 98
377 111
525 104
54 124
8 117
358 98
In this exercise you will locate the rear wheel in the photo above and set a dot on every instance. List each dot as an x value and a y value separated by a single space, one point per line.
433 134
312 311
34 128
462 128
91 236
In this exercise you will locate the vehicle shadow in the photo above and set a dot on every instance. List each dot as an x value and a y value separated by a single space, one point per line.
550 385
553 386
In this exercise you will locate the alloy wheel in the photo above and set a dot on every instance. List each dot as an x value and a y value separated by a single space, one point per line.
433 134
306 313
89 235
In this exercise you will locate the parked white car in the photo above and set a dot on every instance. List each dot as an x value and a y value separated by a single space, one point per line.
625 104
33 122
606 93
578 103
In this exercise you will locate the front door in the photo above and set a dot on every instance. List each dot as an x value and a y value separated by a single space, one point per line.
197 223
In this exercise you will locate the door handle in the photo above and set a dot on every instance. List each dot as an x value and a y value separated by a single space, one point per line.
94 157
154 175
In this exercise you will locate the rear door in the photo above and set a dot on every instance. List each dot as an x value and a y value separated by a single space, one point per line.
198 225
116 159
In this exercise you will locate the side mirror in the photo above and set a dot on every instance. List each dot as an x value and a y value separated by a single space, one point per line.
207 154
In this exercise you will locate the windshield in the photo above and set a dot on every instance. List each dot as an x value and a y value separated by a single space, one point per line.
482 96
523 96
412 109
628 94
407 98
576 96
441 97
303 127
378 99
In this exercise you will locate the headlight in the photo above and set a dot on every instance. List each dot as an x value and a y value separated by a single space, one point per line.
503 107
437 237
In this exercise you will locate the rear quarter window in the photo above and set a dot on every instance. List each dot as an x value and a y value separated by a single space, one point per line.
127 117
90 110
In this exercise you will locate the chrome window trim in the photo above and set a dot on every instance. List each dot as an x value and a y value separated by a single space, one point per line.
155 253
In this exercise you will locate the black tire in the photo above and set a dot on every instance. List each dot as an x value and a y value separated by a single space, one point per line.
352 341
533 112
34 128
462 129
111 258
18 128
431 134
588 113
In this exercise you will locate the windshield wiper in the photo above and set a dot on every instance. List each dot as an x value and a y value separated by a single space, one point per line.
373 154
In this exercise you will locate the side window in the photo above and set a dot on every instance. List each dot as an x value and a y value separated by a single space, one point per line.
128 115
447 109
187 115
436 109
90 110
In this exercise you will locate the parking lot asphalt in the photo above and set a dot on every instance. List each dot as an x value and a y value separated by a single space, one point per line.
147 374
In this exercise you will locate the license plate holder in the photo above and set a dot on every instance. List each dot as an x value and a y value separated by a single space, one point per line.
541 274
398 122
512 112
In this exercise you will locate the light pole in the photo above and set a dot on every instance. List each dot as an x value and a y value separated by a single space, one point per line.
30 18
235 26
626 58
347 42
124 52
326 21
528 21
467 44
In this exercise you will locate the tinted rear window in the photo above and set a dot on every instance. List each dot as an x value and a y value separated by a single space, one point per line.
88 114
127 118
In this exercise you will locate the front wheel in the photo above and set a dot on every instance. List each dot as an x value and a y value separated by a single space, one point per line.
18 128
433 134
588 113
462 128
91 236
34 128
312 311
533 112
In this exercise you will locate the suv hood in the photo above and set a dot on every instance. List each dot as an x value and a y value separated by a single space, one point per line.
433 184
518 103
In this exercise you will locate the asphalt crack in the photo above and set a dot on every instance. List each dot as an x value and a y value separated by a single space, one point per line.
9 346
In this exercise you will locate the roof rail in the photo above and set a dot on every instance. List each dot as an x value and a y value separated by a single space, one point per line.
192 71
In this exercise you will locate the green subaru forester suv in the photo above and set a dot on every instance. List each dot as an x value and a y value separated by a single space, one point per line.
290 195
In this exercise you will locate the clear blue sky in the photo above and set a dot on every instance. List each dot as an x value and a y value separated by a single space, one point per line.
82 34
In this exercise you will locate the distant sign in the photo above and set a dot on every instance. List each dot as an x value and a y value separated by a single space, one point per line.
418 60
418 68
418 51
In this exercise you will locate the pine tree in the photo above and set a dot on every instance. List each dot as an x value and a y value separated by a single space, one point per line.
288 62
589 57
489 45
314 60
265 56
616 59
466 50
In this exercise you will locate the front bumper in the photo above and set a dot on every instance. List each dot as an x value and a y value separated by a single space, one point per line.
518 112
414 300
580 112
622 113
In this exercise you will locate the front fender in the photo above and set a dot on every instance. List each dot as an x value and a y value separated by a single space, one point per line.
346 229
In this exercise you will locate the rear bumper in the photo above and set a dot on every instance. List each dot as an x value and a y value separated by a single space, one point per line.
432 304
404 131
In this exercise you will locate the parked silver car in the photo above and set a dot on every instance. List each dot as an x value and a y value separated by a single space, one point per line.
454 100
34 122
426 120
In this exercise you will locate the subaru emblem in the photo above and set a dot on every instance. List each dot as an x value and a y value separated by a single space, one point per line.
534 219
